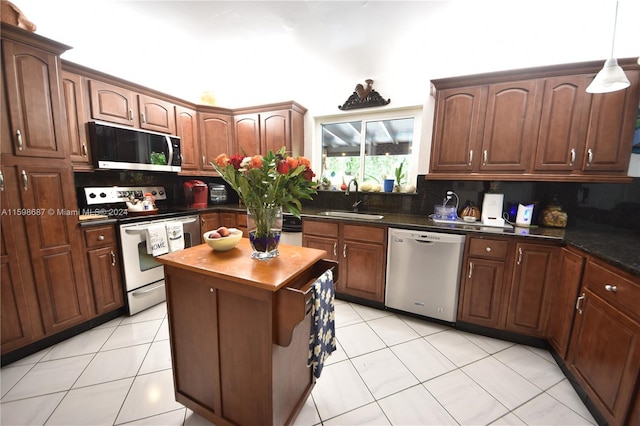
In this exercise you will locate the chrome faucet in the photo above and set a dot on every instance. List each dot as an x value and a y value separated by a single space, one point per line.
357 203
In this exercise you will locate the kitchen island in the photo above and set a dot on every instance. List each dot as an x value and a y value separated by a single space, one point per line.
239 331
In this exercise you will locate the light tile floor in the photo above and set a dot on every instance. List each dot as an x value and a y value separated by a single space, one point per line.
388 369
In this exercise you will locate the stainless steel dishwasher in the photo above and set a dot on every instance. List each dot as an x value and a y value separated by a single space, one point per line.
423 273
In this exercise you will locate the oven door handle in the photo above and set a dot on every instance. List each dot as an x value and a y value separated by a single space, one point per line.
149 290
143 228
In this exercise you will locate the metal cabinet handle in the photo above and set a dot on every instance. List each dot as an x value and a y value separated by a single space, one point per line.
203 161
573 156
19 135
25 180
100 237
589 157
611 288
142 117
335 249
130 114
519 255
344 251
578 304
1 181
84 150
470 156
487 248
485 155
113 258
470 269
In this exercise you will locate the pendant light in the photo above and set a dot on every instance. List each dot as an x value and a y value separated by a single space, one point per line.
611 77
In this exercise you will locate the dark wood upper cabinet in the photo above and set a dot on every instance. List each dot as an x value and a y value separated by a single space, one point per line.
187 130
247 133
113 103
216 137
275 131
564 108
73 92
536 124
33 96
458 129
508 137
156 114
612 121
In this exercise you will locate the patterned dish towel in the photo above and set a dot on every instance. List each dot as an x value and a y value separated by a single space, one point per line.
323 333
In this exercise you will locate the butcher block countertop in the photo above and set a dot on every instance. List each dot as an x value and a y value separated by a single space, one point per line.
237 265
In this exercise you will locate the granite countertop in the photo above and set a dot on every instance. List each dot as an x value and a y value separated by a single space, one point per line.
616 246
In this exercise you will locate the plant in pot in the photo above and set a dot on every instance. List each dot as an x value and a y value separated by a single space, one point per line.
400 175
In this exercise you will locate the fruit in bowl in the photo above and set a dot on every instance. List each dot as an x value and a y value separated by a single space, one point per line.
222 239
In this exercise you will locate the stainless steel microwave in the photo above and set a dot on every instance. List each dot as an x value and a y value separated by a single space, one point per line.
124 148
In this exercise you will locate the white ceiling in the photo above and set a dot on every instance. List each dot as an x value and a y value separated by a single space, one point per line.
250 52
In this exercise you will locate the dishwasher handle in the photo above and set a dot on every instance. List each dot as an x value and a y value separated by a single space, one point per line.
401 240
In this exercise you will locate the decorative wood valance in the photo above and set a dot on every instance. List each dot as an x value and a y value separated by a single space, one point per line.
364 97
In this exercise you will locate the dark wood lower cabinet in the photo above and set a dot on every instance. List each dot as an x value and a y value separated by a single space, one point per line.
104 268
604 353
605 356
563 299
483 286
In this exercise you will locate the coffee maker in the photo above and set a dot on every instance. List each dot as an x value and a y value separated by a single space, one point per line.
196 194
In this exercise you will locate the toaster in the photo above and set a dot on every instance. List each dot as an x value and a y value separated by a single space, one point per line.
217 193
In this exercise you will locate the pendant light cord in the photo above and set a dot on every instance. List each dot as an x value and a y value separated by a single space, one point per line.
615 24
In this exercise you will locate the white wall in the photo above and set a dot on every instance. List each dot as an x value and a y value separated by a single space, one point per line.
248 53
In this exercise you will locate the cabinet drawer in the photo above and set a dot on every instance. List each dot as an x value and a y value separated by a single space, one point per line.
99 236
484 247
364 233
620 291
322 229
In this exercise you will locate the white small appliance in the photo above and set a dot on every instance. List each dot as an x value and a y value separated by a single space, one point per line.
524 215
492 209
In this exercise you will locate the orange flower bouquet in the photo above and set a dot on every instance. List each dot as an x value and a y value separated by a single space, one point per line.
266 185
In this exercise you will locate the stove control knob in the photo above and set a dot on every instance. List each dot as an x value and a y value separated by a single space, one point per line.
103 195
92 195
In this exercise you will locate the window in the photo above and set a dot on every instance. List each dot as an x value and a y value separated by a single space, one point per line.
369 148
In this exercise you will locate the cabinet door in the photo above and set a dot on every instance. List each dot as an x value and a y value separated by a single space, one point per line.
605 356
187 129
611 127
330 245
73 94
508 135
33 97
14 316
560 145
362 266
275 130
533 274
481 293
458 128
216 137
562 301
55 246
209 222
105 279
157 115
112 103
247 133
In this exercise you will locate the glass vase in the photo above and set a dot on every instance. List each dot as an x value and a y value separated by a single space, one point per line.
264 225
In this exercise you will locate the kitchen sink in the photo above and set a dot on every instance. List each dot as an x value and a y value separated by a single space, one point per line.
351 215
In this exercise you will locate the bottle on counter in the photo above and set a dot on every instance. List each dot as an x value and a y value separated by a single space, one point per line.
553 215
